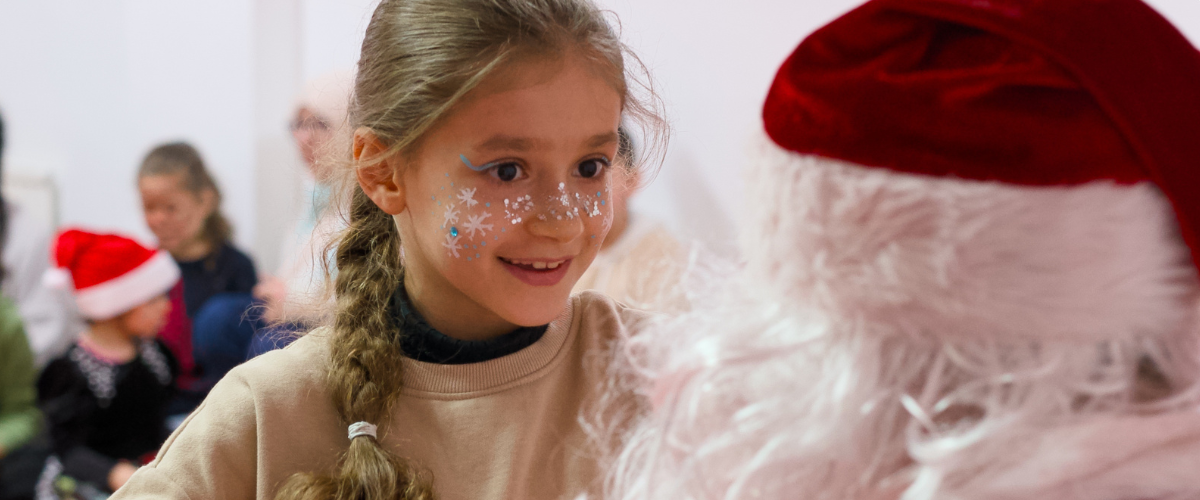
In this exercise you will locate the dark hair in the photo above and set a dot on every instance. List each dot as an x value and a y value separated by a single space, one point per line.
3 204
180 158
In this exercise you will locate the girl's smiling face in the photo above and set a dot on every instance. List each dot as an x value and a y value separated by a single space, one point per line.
506 199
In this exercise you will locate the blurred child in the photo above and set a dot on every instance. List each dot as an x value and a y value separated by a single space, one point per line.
181 203
105 400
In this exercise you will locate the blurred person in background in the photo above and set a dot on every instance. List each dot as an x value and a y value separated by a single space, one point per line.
640 261
105 400
51 323
181 203
296 294
19 416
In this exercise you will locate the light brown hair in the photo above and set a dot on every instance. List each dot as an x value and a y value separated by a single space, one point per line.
419 58
182 159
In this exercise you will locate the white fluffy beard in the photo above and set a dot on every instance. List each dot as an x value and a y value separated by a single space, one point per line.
901 336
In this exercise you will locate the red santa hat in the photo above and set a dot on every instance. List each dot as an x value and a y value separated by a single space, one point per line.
992 167
112 274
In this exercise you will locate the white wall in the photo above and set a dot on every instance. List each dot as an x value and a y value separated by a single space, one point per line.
88 87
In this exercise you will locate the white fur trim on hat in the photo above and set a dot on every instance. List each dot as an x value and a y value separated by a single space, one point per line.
118 295
922 255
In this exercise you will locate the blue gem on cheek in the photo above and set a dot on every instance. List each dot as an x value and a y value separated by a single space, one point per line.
601 202
597 193
454 231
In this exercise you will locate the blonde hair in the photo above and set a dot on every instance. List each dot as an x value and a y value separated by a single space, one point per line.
420 58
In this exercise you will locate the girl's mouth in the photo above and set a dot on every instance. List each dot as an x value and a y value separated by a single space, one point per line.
537 272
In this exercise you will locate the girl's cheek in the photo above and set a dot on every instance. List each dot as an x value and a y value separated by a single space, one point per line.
466 219
470 217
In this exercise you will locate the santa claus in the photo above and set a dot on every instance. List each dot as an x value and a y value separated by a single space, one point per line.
971 271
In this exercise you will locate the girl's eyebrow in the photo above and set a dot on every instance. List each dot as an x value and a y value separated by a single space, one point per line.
522 144
508 143
603 139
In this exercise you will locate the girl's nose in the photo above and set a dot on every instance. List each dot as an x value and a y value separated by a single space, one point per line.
560 228
556 221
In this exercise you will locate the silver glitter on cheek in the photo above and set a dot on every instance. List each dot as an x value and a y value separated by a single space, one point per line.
514 209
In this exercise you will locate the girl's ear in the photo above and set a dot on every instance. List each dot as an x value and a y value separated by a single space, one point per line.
378 174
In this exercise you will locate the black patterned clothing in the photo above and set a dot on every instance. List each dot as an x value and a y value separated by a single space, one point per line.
100 412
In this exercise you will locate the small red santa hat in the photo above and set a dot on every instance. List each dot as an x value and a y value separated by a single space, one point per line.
111 274
988 167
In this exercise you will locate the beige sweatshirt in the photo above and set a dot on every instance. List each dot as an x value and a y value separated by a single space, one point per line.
503 428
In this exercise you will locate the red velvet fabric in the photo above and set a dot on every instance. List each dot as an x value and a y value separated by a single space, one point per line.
177 336
1030 92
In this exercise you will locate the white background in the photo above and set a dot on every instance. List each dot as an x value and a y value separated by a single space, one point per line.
88 86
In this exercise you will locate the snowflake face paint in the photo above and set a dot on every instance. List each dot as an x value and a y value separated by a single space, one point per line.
478 221
508 196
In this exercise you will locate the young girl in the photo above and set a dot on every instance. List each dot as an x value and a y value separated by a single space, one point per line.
181 204
105 399
484 135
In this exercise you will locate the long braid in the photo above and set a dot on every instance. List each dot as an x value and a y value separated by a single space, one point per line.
364 374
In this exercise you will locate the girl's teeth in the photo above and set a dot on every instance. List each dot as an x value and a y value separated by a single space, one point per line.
538 265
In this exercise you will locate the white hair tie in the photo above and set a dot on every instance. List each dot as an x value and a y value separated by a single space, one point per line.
362 429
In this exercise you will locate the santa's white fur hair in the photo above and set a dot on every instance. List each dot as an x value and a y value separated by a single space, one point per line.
901 336
895 335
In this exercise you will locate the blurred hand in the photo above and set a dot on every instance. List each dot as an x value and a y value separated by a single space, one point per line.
119 475
272 292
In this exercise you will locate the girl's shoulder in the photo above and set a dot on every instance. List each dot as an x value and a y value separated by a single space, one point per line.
597 314
300 365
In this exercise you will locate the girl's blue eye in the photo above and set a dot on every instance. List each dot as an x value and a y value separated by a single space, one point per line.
506 171
592 168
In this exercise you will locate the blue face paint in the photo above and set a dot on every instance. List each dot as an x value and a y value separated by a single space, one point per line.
480 168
